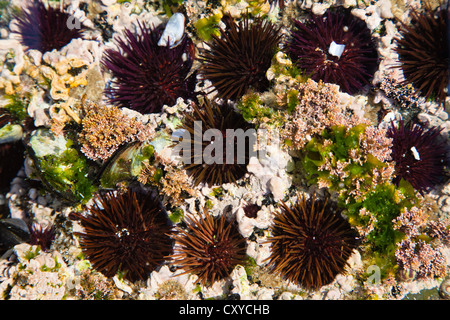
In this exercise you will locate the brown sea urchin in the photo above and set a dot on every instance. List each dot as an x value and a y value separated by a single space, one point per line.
208 158
209 247
423 52
127 233
315 47
239 58
311 242
45 28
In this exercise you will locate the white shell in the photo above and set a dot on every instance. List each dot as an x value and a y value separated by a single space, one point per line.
336 49
174 31
415 153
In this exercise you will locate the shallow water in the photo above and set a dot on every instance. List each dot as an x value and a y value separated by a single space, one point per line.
96 99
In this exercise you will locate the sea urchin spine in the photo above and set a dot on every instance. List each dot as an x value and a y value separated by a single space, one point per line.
423 52
209 117
419 154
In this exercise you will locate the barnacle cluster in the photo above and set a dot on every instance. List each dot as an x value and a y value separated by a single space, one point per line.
221 149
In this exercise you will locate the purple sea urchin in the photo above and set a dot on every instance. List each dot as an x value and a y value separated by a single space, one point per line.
127 233
423 52
222 118
419 155
209 247
311 242
239 58
314 48
148 76
46 28
42 236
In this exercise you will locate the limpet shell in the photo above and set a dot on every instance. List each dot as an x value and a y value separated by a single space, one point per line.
444 289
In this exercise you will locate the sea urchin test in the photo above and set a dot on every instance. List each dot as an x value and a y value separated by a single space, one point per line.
174 31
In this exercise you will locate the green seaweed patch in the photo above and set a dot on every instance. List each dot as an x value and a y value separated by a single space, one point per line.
218 193
170 6
209 204
32 253
334 148
4 4
283 66
16 108
376 213
55 268
335 159
68 173
208 27
61 166
292 100
255 111
250 265
176 215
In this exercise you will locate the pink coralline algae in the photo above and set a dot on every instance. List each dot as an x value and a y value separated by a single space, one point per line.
425 258
106 128
318 108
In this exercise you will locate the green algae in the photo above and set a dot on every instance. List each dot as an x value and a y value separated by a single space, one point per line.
333 146
68 174
176 215
208 26
16 108
62 168
368 206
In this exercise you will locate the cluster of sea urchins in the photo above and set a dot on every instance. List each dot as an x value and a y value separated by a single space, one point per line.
311 242
209 160
423 51
316 45
45 28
